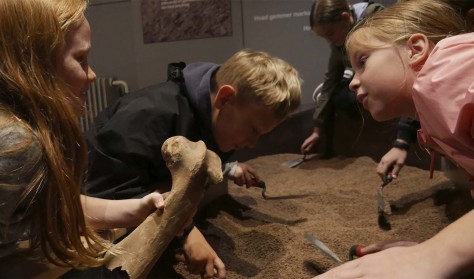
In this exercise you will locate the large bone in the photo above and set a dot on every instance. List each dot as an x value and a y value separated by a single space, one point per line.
192 166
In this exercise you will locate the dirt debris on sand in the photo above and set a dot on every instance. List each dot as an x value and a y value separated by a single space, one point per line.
335 200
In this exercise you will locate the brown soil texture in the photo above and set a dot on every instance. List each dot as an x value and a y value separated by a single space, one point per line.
335 200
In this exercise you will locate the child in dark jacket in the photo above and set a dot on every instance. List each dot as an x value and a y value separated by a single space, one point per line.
332 20
227 106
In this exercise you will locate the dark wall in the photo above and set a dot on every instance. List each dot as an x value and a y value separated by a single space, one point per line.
119 49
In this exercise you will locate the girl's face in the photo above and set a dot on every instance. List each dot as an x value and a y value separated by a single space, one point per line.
72 64
383 81
335 33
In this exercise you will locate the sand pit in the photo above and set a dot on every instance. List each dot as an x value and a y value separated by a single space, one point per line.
335 200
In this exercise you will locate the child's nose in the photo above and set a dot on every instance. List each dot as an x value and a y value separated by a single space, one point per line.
91 75
355 84
252 142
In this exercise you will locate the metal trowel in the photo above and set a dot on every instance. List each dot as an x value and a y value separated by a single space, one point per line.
383 207
322 247
294 162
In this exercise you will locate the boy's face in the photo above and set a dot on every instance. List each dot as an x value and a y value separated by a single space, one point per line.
236 126
383 81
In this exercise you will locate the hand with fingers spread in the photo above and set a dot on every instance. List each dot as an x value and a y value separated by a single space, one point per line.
201 258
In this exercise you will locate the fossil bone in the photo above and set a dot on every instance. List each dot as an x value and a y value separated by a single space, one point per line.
192 166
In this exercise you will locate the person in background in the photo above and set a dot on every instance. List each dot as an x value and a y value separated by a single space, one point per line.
44 73
427 81
332 20
227 106
394 160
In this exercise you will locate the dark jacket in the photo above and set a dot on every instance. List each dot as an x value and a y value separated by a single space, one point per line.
407 129
125 158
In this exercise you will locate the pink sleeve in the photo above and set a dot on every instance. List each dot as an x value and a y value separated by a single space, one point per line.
444 99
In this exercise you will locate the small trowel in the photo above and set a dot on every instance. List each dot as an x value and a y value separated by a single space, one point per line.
322 247
294 162
260 184
383 207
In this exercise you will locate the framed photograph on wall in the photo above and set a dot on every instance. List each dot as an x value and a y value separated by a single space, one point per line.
175 20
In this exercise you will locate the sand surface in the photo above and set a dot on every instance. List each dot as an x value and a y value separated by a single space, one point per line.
335 200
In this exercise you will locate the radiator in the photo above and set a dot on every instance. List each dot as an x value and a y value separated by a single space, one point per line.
101 93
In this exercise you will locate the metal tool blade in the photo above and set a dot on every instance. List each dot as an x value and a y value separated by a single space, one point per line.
294 162
380 200
322 247
382 204
383 207
261 184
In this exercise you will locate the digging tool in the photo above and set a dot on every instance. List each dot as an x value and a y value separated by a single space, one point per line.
322 247
383 207
294 162
355 251
260 184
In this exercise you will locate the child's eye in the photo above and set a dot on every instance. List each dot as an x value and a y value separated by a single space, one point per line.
361 61
82 60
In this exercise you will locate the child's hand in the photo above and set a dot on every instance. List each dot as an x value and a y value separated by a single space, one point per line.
245 174
311 141
395 262
383 245
152 202
392 162
201 258
108 214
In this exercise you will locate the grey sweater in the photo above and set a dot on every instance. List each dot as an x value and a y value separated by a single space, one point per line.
20 159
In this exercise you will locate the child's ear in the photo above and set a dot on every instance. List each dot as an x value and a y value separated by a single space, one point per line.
224 95
347 17
419 48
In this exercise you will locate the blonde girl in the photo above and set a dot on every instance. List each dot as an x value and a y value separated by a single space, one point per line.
426 77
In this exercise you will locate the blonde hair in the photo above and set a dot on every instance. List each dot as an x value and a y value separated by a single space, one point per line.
460 6
264 79
32 32
395 24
